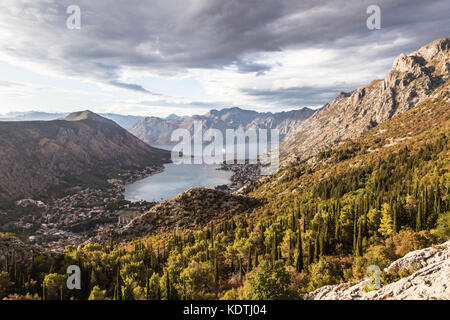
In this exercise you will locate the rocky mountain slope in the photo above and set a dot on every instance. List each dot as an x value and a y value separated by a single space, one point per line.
39 157
429 281
411 80
190 210
11 247
155 130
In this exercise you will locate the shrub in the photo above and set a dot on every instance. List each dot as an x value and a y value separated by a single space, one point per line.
442 231
323 273
268 282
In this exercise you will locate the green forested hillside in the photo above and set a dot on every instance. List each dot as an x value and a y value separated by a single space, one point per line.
323 220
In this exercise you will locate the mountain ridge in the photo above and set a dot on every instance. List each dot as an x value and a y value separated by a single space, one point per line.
36 156
125 121
411 80
157 131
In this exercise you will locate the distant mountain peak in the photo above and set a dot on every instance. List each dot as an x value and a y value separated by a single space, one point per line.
157 131
172 116
232 113
86 115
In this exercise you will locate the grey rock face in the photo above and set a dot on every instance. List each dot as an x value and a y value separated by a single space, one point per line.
412 79
430 281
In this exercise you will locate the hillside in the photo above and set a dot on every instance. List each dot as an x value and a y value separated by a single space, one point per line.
157 131
188 211
38 158
411 80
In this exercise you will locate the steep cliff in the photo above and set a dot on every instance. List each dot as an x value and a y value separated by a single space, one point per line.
411 80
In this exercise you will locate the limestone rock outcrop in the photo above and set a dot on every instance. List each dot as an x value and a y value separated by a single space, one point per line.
412 79
430 281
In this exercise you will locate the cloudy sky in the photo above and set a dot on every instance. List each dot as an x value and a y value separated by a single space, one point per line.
156 57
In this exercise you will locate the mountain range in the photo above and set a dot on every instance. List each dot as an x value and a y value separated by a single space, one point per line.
157 131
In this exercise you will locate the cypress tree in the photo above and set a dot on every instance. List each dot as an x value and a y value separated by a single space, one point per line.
310 253
359 240
168 285
419 219
118 285
274 249
321 244
336 227
184 290
216 273
299 262
147 289
249 262
241 271
394 227
354 232
316 248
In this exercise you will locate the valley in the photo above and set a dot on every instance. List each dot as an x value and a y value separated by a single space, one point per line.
365 181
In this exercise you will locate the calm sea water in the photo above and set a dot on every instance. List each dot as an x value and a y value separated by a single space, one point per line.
175 179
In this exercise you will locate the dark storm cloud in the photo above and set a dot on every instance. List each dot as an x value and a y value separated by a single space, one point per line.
298 96
130 86
169 36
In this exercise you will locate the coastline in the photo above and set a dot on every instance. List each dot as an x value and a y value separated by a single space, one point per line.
243 174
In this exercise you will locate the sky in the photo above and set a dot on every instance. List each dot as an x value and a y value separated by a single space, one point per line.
158 57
